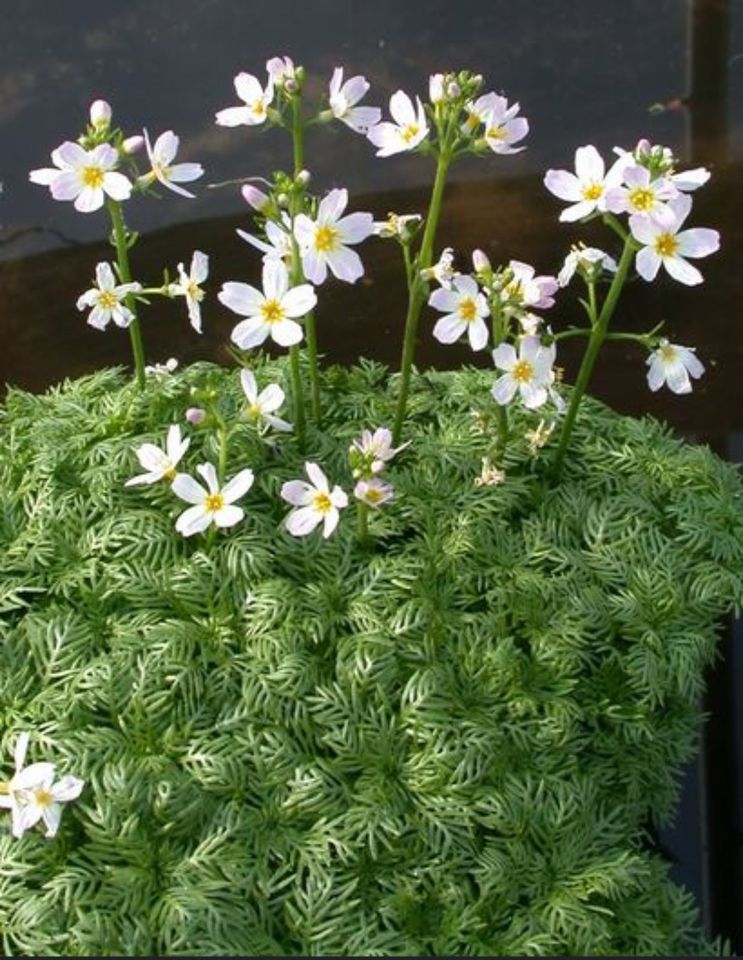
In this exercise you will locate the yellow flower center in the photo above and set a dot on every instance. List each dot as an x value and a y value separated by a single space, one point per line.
107 299
92 176
322 503
593 192
43 798
467 310
326 239
496 133
642 199
194 291
408 133
514 290
373 495
214 502
259 108
668 353
169 474
522 371
4 788
254 410
272 311
666 244
472 121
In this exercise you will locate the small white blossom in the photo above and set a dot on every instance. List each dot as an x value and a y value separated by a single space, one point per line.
373 492
100 113
585 189
162 369
371 453
525 290
465 308
324 242
443 271
399 225
278 242
673 365
263 405
344 98
189 286
588 259
106 298
315 502
436 90
169 174
664 244
255 198
529 372
503 128
479 110
211 505
480 261
160 464
408 130
640 194
270 312
85 176
256 101
280 69
132 145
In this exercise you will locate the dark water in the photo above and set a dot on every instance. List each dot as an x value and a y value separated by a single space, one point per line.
584 72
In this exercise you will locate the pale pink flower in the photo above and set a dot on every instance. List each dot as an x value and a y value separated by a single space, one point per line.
86 177
344 98
161 155
210 504
465 308
664 244
315 503
503 128
408 130
189 286
585 189
373 492
673 365
324 242
107 299
640 194
529 372
256 102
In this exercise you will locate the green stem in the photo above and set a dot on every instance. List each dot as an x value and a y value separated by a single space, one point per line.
362 513
416 296
592 300
296 373
500 329
125 275
222 464
598 335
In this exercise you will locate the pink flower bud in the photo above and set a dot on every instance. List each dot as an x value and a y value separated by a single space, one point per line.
132 144
100 113
256 198
480 261
195 414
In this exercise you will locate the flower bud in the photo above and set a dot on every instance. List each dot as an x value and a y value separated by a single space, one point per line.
255 198
303 178
436 88
291 85
453 90
480 261
195 415
100 113
283 200
132 144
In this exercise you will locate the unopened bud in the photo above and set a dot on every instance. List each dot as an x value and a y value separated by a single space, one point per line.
283 200
303 178
453 90
436 87
100 113
195 415
480 261
132 144
291 85
255 198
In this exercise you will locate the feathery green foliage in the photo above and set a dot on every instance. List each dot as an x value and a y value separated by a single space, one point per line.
445 743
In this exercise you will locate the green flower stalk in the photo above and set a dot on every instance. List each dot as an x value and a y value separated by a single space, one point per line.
121 240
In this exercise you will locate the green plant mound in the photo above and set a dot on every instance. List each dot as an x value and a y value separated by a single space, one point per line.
450 742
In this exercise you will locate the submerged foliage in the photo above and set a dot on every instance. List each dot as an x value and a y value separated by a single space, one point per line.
446 741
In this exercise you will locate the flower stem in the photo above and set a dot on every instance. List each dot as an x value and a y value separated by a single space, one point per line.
362 513
416 290
296 373
125 275
600 326
500 329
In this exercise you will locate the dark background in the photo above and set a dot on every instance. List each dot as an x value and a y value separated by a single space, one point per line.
584 72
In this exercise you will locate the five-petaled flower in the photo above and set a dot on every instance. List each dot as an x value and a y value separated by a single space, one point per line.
270 312
371 453
211 505
32 795
278 242
107 299
161 155
373 492
408 130
262 406
189 286
589 260
344 98
160 464
256 101
673 365
663 244
503 128
525 290
465 308
324 241
641 193
529 372
315 503
586 188
85 176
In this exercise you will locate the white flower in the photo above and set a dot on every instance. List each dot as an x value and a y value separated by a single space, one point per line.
490 475
162 369
689 180
279 69
256 100
641 194
645 153
436 90
526 290
373 451
465 308
132 145
278 243
373 492
663 244
106 299
315 502
586 188
160 464
261 406
503 128
530 372
443 271
32 795
100 113
268 312
399 225
211 505
408 130
673 365
479 110
85 176
169 174
588 259
343 100
323 242
188 286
